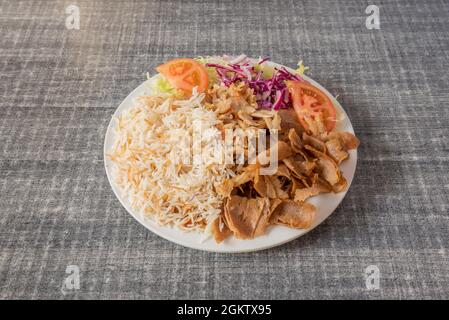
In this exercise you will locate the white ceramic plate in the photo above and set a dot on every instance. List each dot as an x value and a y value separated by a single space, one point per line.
275 235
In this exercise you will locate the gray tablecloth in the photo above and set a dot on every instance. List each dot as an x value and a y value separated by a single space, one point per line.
59 88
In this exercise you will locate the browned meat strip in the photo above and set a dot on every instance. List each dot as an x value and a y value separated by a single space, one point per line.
335 150
294 214
289 120
347 140
328 168
299 167
314 142
340 185
283 151
247 218
295 141
318 186
303 194
220 230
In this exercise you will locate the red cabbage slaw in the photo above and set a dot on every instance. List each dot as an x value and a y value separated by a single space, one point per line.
271 93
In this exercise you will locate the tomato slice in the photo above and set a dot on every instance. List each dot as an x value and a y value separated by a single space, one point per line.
311 104
185 74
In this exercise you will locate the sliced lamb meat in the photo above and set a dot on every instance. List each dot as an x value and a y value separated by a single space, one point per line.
225 188
273 204
234 211
283 151
313 178
340 185
302 195
283 171
295 141
260 185
271 189
220 230
299 167
242 124
315 126
306 167
294 214
296 184
304 156
274 188
238 103
223 106
269 186
261 113
328 168
335 150
314 142
291 164
243 178
273 123
276 122
316 188
289 120
324 185
264 216
246 118
247 218
347 140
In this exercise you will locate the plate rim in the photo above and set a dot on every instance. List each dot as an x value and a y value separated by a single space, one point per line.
153 227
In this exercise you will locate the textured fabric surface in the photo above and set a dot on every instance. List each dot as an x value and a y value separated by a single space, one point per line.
59 88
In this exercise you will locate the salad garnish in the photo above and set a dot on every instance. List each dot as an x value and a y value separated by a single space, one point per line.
268 83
